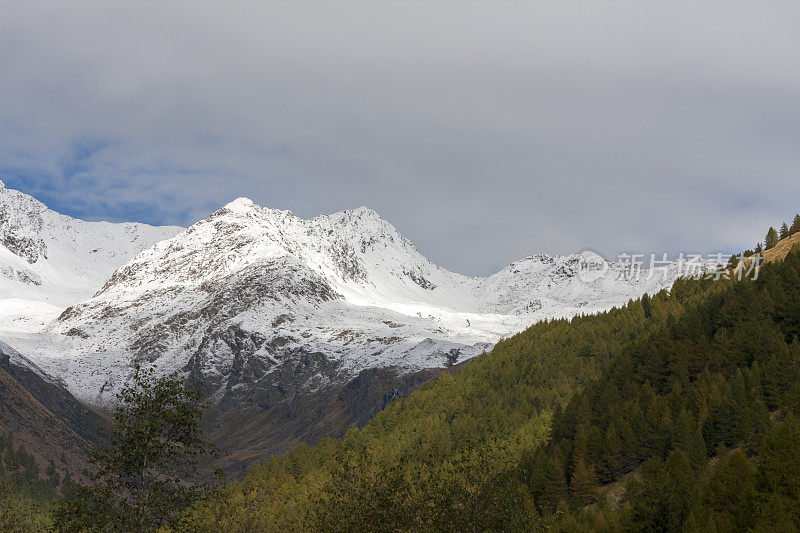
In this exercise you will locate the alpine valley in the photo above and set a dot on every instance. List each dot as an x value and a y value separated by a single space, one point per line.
297 329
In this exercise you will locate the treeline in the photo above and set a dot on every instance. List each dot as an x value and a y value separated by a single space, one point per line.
773 236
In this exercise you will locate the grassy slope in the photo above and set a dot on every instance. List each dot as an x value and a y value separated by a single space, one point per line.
781 250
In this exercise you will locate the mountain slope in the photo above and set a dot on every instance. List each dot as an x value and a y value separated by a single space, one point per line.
690 403
49 261
45 418
240 297
705 412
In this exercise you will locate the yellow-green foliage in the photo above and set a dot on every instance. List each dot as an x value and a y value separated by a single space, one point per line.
19 512
446 456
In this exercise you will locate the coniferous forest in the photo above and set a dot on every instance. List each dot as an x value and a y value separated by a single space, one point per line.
677 412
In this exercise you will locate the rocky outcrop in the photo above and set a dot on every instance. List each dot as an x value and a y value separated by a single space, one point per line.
21 226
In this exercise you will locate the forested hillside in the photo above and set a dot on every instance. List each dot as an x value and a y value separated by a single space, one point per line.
701 415
676 411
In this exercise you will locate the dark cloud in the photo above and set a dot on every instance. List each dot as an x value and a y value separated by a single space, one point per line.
483 131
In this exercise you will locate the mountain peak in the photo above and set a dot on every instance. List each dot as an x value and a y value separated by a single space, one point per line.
366 211
241 204
363 217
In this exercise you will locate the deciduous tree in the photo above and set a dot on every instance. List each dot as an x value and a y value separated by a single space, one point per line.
148 472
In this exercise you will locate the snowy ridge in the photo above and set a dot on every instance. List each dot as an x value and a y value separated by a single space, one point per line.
49 261
251 295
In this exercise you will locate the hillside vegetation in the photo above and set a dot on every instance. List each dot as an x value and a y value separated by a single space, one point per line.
21 511
675 412
781 248
704 413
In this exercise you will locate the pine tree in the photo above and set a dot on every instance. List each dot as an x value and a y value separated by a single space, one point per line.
771 239
759 248
544 476
11 458
583 484
646 305
784 231
612 453
795 225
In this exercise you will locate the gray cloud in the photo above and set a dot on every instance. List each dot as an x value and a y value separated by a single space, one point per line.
483 131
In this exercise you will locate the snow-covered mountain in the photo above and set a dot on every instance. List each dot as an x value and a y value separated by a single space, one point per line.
253 301
49 261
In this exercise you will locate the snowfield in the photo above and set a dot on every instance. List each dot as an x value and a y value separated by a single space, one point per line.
251 291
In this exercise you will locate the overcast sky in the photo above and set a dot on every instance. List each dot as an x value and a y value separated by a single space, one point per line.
485 131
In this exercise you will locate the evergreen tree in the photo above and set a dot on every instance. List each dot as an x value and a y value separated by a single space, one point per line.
545 477
646 305
612 451
759 248
771 239
11 457
784 231
583 483
795 225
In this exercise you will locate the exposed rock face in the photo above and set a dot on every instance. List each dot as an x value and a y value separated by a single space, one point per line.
25 247
21 225
249 375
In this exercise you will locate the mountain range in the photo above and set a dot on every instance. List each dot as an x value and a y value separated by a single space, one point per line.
297 329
